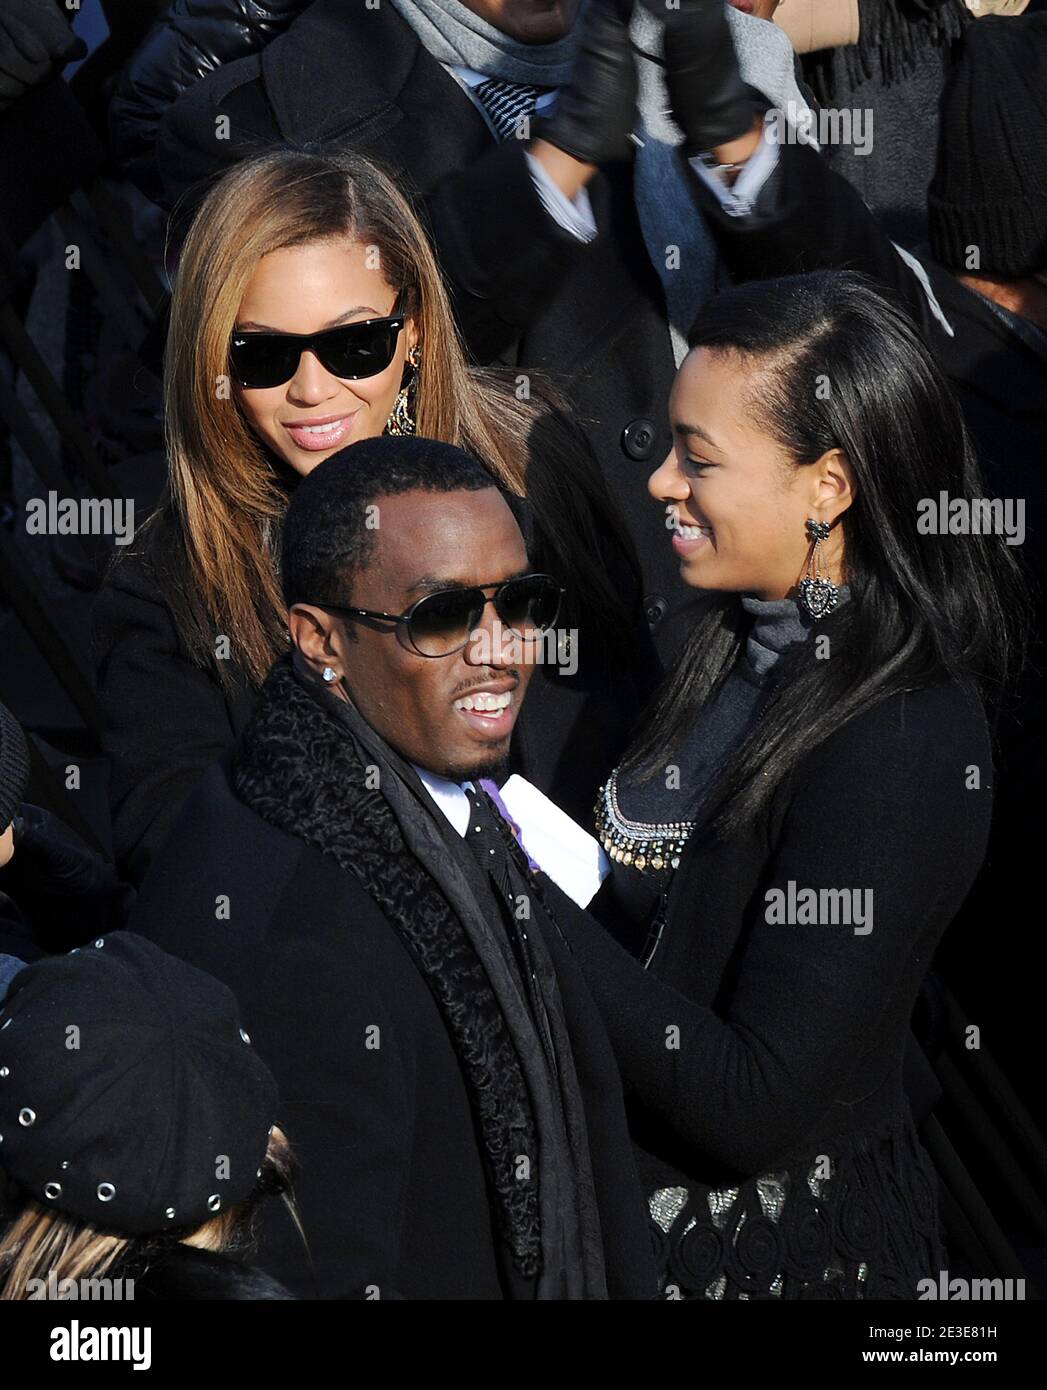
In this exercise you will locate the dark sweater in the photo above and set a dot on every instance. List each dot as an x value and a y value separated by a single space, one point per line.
791 1037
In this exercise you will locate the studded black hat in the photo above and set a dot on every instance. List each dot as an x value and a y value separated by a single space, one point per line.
130 1096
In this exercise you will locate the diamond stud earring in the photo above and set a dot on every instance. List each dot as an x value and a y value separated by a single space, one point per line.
329 674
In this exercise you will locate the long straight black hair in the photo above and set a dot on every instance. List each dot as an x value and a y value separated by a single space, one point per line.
841 366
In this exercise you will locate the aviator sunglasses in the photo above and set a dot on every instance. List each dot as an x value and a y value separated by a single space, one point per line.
440 623
353 351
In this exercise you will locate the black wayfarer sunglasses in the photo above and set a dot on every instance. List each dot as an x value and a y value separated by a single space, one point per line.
440 624
353 351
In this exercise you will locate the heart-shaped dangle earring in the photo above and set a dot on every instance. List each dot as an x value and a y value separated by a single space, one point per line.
817 595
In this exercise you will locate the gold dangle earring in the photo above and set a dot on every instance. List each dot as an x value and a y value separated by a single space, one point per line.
402 420
817 595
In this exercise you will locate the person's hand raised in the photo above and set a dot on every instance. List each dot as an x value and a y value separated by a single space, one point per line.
596 110
710 102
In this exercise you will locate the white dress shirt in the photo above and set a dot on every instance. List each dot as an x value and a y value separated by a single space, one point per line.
572 858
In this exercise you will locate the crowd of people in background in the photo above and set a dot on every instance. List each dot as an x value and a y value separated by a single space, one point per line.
570 708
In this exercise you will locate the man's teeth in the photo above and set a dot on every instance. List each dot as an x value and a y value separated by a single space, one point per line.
485 704
321 429
690 533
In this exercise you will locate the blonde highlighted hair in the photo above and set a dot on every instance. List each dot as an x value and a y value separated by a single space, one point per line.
226 497
42 1242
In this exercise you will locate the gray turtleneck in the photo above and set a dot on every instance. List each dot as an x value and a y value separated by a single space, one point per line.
777 624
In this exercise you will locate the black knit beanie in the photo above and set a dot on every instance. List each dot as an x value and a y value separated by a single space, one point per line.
14 766
989 189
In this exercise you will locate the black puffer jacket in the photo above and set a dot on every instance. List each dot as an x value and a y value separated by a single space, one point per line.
192 39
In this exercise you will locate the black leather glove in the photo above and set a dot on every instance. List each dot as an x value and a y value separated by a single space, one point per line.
710 102
34 39
56 857
64 892
596 110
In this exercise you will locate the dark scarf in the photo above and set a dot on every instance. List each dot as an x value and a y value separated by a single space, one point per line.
894 36
308 764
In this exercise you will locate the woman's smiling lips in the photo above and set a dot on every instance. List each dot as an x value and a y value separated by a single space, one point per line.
688 538
689 544
322 432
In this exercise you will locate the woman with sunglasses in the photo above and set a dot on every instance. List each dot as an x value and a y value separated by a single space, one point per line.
808 802
309 313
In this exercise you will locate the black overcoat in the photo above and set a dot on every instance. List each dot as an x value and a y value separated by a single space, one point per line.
391 1189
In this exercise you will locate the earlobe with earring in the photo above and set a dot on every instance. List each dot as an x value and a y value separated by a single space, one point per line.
817 595
402 420
329 674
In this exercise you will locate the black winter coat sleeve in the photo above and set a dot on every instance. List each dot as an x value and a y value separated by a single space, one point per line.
167 720
882 810
349 1113
193 38
320 1017
503 256
808 217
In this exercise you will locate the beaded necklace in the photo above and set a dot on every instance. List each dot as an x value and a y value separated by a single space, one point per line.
643 846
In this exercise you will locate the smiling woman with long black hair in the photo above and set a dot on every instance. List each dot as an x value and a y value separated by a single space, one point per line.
808 800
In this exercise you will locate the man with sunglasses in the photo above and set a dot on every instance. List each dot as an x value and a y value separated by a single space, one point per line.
445 1079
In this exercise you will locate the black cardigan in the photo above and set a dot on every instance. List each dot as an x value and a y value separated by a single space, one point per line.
792 1037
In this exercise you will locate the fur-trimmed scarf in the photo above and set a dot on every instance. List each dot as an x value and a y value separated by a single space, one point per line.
308 764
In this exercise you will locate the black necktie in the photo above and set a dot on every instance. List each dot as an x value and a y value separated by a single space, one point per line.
486 840
487 843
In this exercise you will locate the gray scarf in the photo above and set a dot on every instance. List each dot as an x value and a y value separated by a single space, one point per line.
460 38
664 202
